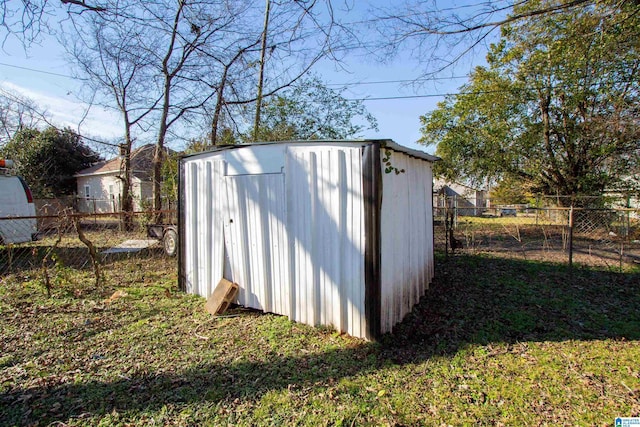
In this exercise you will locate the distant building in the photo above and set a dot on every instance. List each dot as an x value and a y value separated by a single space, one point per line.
100 186
467 200
626 194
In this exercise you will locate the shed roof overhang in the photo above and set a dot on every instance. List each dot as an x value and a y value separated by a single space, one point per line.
384 143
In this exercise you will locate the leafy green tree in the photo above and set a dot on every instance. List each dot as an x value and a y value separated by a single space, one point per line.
48 159
510 191
170 179
556 107
311 110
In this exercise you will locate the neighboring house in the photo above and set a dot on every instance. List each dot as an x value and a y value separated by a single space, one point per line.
467 200
627 194
100 186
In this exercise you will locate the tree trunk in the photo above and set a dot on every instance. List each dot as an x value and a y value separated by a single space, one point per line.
126 221
157 178
93 253
256 124
218 109
162 131
159 152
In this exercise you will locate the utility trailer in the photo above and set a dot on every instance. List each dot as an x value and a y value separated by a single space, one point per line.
168 234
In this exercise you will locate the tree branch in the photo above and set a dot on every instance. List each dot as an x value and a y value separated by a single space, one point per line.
84 5
507 20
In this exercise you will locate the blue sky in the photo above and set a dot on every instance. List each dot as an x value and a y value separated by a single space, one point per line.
398 119
59 94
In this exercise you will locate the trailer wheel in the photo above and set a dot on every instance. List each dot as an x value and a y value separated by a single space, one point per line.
170 242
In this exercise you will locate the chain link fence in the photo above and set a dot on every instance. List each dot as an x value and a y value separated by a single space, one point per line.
81 242
597 232
585 235
91 205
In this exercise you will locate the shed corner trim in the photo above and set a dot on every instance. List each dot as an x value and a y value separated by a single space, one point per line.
372 192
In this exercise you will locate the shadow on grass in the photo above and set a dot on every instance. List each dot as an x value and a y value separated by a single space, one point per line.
483 300
475 300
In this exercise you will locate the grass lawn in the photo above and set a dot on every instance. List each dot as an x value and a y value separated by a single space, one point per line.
528 219
494 342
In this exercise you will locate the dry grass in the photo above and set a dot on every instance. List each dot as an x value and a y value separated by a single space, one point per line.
495 341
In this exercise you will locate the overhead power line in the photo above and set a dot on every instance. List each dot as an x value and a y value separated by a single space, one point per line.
418 80
35 70
438 95
428 95
362 83
383 98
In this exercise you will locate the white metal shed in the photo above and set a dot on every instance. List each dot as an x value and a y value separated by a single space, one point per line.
336 233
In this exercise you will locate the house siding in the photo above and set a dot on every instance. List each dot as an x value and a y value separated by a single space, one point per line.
100 200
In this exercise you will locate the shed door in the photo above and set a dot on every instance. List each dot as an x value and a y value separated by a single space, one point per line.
256 248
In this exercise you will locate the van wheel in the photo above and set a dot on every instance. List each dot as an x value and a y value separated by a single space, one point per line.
170 242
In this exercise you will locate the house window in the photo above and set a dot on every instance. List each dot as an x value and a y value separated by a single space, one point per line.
87 192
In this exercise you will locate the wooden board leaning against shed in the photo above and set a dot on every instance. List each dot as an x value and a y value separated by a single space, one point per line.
220 299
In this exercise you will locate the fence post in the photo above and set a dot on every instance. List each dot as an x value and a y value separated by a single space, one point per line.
571 237
627 225
446 227
454 222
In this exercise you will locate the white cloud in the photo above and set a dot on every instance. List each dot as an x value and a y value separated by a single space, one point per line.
67 112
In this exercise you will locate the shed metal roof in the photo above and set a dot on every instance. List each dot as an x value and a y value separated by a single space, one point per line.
385 143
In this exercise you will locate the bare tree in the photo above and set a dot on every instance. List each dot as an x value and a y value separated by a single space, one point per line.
199 56
109 61
298 34
18 112
440 37
263 49
192 28
297 38
142 61
27 19
224 81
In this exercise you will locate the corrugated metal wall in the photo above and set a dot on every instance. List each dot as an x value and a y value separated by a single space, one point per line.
256 242
326 231
406 236
293 239
202 217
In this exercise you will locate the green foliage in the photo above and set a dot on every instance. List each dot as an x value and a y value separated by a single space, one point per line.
197 146
510 191
388 164
169 174
48 159
311 110
225 136
555 107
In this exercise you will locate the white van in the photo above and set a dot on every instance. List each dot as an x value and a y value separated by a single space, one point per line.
15 201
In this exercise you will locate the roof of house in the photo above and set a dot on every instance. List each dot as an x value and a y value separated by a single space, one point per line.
141 164
453 187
